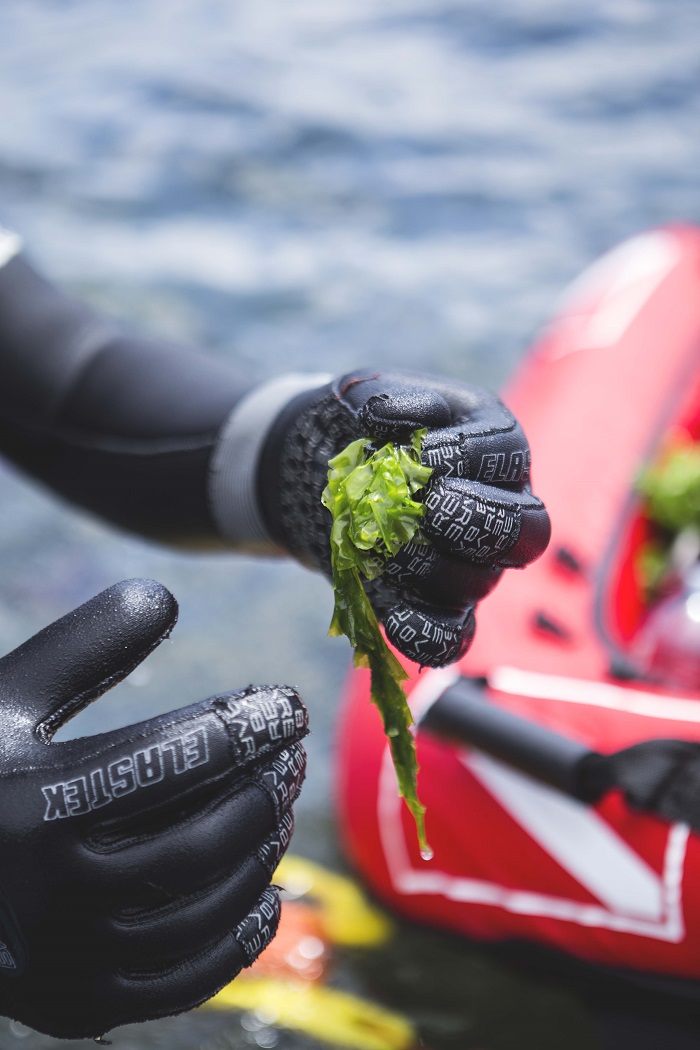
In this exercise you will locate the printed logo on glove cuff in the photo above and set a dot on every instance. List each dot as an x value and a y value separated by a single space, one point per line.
73 798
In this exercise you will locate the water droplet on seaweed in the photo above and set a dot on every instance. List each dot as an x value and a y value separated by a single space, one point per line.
427 853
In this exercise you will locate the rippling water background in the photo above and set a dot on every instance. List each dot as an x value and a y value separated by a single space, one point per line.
323 184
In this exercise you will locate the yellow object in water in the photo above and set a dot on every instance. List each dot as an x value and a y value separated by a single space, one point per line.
326 1014
347 916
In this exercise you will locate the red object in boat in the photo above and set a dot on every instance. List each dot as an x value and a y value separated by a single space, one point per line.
616 374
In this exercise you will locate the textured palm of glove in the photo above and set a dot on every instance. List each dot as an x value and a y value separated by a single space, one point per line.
481 515
134 865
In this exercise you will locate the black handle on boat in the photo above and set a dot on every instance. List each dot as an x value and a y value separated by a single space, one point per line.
463 714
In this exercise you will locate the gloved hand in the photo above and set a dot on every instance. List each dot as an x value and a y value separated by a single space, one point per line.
134 865
481 514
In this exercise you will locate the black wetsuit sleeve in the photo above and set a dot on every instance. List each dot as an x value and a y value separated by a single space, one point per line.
122 425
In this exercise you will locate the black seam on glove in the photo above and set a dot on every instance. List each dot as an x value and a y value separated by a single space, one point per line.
106 839
159 972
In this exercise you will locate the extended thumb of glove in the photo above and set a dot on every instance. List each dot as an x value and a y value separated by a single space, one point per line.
74 660
392 406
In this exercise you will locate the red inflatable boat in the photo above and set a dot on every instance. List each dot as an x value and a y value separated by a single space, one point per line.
616 374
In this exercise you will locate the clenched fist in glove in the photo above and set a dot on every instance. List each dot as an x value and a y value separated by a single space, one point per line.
173 444
481 515
134 865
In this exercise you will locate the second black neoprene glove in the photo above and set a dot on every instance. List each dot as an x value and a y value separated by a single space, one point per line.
481 514
135 865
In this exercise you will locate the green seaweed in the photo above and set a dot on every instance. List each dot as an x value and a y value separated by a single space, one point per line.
369 495
672 489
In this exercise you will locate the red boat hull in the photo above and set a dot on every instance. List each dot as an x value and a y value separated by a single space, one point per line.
610 377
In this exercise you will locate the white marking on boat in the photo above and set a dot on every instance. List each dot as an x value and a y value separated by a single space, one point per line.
592 693
631 896
580 841
431 880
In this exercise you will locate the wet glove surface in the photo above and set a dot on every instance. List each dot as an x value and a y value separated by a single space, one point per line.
134 865
481 515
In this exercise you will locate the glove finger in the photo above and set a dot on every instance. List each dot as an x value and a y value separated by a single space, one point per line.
471 433
428 635
74 660
387 406
438 578
489 446
131 770
142 994
183 926
177 850
482 523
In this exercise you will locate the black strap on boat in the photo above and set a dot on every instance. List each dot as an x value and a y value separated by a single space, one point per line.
657 776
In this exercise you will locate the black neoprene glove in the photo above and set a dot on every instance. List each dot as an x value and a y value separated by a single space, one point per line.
134 865
481 514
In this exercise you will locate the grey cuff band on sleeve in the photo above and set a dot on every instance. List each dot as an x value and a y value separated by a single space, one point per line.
234 464
10 245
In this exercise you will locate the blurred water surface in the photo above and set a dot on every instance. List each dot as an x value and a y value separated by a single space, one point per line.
326 183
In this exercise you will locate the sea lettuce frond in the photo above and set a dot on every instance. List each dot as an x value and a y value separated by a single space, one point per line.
370 496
